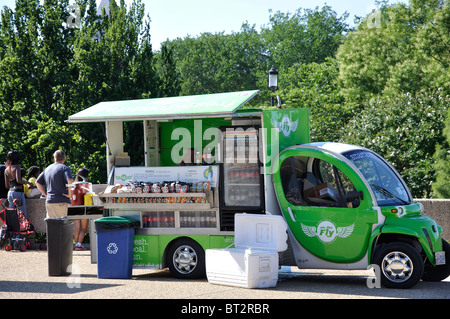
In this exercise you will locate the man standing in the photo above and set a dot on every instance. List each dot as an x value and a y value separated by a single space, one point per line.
52 183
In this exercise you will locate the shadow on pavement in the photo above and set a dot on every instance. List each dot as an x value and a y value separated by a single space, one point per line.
49 287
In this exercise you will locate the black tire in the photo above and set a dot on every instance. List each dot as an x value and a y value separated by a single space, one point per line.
401 265
186 259
439 273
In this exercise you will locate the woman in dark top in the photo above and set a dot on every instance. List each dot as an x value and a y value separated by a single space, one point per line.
13 181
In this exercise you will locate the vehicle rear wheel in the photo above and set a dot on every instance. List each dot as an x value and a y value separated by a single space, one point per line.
438 273
401 265
186 259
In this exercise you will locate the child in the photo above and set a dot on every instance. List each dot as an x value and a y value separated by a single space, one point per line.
32 191
80 224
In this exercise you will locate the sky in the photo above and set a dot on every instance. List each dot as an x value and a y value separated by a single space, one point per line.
171 19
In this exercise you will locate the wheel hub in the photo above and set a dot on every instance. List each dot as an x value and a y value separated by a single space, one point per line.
185 259
397 266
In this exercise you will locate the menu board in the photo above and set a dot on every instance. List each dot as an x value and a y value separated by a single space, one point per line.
187 174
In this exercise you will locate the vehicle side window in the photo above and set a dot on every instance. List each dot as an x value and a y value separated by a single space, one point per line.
325 185
335 186
292 173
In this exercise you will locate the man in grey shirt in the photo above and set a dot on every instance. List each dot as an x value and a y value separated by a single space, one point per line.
52 183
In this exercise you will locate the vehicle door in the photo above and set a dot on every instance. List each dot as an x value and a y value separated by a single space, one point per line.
326 204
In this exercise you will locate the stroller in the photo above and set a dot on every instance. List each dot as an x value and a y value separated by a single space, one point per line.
15 229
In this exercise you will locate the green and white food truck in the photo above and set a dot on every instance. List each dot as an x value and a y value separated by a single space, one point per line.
207 159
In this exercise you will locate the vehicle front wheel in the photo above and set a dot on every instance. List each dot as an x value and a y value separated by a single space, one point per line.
401 265
186 259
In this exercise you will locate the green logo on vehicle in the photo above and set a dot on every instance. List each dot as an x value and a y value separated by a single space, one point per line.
327 232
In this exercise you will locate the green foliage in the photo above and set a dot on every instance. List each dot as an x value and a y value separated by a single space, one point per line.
214 63
170 79
220 62
404 130
384 85
49 71
405 50
397 69
441 187
35 54
315 86
305 36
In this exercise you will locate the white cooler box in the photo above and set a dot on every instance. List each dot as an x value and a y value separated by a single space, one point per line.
254 261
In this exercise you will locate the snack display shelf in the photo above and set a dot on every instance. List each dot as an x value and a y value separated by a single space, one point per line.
157 206
152 195
125 201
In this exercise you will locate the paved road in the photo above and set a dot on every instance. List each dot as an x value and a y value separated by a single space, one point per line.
25 275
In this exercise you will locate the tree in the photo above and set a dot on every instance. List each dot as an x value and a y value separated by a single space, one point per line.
397 70
441 187
167 72
213 63
220 62
405 130
305 36
315 86
406 50
114 61
35 55
50 69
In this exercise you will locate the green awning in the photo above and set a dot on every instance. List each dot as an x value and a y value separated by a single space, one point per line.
195 106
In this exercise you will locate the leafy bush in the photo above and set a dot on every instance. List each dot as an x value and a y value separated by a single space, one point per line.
405 130
441 187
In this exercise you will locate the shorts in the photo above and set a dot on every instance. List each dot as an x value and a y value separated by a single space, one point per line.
56 210
22 204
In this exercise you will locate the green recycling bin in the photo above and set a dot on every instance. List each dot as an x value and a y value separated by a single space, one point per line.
115 243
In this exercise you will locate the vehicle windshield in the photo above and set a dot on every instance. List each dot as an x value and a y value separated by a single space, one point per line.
386 185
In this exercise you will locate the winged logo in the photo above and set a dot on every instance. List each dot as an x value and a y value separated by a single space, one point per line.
285 125
309 231
327 232
344 232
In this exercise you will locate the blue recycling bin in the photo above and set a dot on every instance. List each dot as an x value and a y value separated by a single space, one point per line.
115 242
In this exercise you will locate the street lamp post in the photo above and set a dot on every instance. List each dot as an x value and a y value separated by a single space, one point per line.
273 84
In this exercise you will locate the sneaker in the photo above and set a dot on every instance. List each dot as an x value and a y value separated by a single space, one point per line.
79 247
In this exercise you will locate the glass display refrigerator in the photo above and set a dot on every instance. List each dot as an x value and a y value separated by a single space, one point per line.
241 181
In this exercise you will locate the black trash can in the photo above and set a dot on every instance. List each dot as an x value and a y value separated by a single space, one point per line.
59 245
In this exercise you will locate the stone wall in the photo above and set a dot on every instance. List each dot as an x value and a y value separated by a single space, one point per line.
36 214
439 210
36 209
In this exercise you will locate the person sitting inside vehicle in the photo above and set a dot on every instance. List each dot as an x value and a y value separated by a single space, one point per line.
292 173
